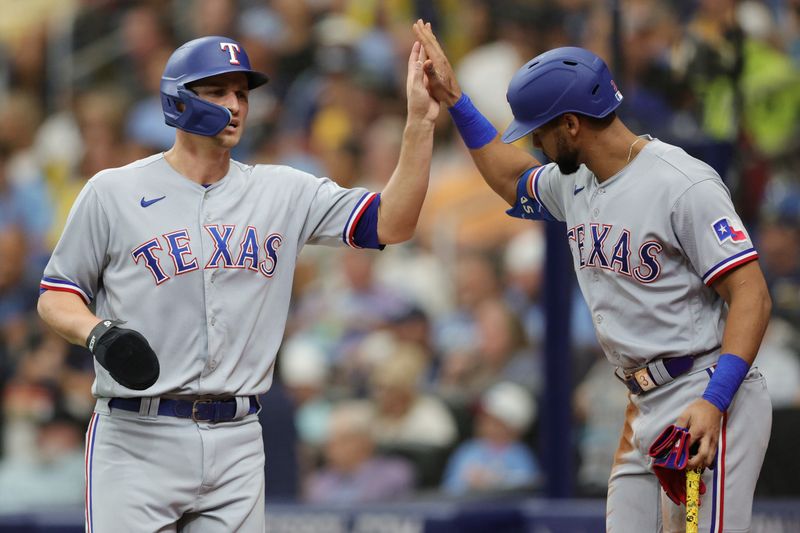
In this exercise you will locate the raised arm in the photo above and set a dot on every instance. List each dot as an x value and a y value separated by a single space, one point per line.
401 199
500 164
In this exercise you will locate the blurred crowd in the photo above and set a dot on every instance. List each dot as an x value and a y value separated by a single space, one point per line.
415 370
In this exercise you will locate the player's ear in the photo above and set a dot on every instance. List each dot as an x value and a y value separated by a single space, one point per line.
571 122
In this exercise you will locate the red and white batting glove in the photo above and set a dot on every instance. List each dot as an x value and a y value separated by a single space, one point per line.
670 453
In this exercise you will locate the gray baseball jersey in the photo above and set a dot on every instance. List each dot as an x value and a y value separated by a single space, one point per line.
647 245
204 273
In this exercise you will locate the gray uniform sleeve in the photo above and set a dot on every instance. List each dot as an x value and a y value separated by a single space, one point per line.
334 213
710 232
78 260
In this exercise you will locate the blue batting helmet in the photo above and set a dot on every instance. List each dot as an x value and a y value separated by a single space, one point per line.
195 60
562 80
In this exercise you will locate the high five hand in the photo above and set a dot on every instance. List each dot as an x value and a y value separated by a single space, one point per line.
440 78
420 103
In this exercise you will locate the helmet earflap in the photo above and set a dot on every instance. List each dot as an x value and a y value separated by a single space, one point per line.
198 116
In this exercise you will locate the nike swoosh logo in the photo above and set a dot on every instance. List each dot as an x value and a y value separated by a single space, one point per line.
148 203
577 190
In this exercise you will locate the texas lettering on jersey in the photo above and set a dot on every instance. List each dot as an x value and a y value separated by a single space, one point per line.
248 253
616 257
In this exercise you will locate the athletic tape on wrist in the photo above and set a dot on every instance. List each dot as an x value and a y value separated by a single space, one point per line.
474 128
98 332
726 380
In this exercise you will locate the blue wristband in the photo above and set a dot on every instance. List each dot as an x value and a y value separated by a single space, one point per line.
730 372
473 127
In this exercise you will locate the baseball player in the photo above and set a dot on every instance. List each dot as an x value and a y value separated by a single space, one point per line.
186 259
668 271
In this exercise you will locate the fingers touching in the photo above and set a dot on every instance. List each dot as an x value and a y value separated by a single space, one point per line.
439 76
413 57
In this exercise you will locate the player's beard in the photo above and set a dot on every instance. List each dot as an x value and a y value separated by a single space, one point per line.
566 157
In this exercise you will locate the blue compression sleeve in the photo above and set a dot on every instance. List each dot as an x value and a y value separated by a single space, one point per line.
474 128
730 372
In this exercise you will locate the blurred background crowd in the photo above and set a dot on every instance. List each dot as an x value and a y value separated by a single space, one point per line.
415 371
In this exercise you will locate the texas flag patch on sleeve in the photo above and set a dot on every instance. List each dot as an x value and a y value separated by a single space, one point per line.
725 230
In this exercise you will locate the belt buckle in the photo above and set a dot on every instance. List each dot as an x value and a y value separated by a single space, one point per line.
194 410
633 384
636 380
644 379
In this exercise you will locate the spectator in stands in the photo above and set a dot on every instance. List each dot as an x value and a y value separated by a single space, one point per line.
353 472
144 34
17 292
412 326
346 307
779 249
503 349
99 116
213 17
500 352
24 199
496 459
485 71
304 371
144 124
475 281
523 270
779 255
405 418
779 361
53 476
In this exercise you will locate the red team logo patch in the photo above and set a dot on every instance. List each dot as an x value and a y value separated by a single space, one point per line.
724 230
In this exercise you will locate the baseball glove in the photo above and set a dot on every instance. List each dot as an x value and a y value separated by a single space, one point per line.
125 353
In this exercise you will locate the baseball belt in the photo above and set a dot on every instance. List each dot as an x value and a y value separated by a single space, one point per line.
658 372
200 410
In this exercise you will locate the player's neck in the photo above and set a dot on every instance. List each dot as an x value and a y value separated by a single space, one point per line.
612 150
197 161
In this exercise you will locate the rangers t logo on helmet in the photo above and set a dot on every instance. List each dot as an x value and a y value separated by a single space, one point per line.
232 49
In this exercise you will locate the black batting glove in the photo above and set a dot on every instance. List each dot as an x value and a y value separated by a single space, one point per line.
125 353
